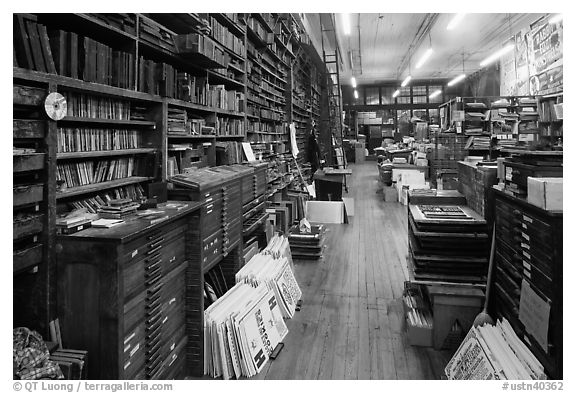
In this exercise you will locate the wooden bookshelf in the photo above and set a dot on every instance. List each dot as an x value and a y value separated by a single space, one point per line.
104 153
111 122
96 187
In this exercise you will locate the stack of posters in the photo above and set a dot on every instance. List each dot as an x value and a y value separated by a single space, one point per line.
241 329
494 352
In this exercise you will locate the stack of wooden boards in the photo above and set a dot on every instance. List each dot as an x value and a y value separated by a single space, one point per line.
494 352
447 243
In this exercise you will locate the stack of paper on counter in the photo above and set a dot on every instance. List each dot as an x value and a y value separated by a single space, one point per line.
494 352
241 329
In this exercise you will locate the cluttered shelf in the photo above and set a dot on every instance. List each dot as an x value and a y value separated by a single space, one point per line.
96 187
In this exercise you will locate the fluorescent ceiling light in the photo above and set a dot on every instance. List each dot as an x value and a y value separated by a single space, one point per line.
346 23
396 93
435 93
353 81
555 19
355 94
497 55
424 57
456 80
406 81
455 21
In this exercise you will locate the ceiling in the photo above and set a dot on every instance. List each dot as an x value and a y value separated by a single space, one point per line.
383 47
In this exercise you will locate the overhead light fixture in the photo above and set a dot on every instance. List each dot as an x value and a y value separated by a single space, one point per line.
346 23
496 55
406 81
456 80
456 19
396 93
424 57
356 94
555 19
353 81
437 92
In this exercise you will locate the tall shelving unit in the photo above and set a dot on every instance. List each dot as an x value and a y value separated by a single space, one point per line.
162 89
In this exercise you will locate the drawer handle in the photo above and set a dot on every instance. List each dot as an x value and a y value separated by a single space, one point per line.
153 310
156 234
154 321
153 304
154 280
156 244
151 343
155 361
153 350
154 372
151 298
154 250
155 289
154 332
174 357
152 266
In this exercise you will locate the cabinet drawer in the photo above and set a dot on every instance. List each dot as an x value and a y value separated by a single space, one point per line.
27 226
148 270
134 312
26 95
28 162
133 358
211 248
175 361
24 129
26 194
27 258
153 241
538 280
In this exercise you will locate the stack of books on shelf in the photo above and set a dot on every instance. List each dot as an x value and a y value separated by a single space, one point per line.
95 107
124 22
219 97
118 208
134 192
177 121
197 44
88 139
157 35
90 172
478 143
69 54
227 39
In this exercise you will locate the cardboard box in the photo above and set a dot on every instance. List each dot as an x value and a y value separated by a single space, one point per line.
420 336
324 212
545 192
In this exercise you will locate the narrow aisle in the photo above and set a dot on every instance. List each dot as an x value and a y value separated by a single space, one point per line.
351 323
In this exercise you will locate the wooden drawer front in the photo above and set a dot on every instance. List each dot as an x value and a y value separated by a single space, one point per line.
26 95
211 248
507 282
538 280
175 361
153 241
28 226
24 129
27 258
174 296
173 254
28 162
134 311
26 194
133 352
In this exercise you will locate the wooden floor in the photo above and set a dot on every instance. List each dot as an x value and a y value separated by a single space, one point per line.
351 322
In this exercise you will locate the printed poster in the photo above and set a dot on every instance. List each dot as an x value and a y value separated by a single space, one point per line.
470 361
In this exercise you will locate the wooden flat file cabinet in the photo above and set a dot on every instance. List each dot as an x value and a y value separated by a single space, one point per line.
529 253
121 296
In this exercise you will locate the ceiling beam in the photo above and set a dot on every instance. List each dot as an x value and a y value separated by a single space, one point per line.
421 33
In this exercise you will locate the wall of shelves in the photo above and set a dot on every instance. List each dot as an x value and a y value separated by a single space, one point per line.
170 92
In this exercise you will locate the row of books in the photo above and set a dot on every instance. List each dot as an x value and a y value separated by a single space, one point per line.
269 114
227 126
219 97
478 143
180 124
228 153
88 139
124 22
197 44
31 45
226 38
90 172
95 107
550 111
134 192
258 126
264 138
